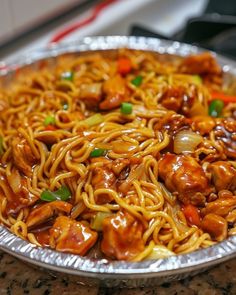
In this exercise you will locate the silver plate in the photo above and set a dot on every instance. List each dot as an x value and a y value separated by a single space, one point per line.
100 271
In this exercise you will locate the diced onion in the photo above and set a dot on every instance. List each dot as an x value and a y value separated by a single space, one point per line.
186 141
15 181
97 221
93 120
159 252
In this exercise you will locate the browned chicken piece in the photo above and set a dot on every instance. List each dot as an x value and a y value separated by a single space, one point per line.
215 225
223 175
19 195
203 63
184 176
115 93
221 206
173 98
23 156
91 94
172 123
203 124
42 213
68 235
122 236
225 132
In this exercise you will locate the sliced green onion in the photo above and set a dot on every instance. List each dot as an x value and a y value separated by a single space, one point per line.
69 76
137 81
65 106
49 120
126 108
98 153
1 146
215 108
96 222
196 79
93 120
62 194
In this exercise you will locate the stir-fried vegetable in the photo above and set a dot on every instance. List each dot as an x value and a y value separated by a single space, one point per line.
191 214
49 120
186 141
159 252
62 194
93 120
1 146
65 106
69 76
126 108
124 65
97 152
216 107
50 128
226 98
97 221
137 81
196 79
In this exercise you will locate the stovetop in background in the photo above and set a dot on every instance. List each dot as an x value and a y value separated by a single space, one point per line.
215 29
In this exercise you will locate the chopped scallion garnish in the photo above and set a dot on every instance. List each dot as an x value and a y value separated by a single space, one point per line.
49 120
98 153
137 81
62 194
69 76
126 108
215 108
65 106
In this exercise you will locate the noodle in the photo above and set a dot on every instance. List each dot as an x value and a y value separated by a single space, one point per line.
88 153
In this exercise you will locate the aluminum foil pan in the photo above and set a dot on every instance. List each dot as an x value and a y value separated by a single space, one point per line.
100 271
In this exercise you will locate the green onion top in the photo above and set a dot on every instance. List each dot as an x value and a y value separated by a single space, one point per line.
98 153
49 120
137 81
126 108
65 106
215 108
62 194
69 76
1 146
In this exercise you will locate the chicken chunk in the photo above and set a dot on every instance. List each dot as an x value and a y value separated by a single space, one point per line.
44 212
122 236
223 175
70 236
23 156
225 132
203 124
18 195
215 225
91 94
203 63
115 93
221 206
172 124
184 176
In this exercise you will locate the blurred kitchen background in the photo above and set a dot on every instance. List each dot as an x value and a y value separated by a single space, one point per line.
30 24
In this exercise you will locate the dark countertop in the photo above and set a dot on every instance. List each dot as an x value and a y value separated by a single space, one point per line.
18 278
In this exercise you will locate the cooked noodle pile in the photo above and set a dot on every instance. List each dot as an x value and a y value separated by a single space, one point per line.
125 152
